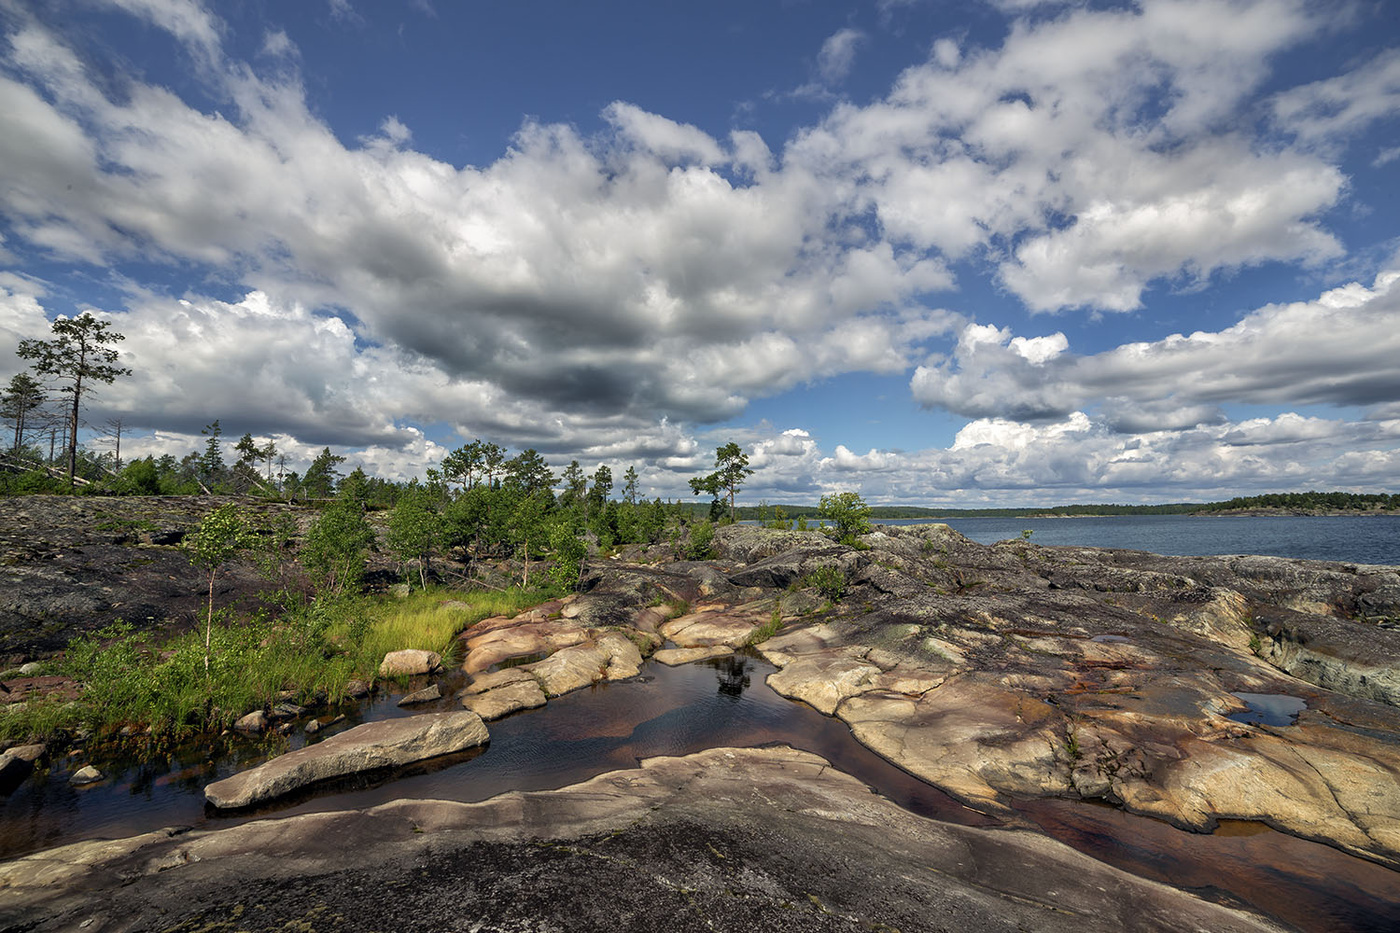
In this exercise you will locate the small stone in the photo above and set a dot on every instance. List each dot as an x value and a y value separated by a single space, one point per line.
426 695
87 774
313 727
30 669
254 722
287 711
356 689
400 590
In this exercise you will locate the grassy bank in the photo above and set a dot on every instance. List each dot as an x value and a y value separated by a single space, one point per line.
133 684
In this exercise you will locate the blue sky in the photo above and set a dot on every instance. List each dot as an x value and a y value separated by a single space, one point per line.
1014 252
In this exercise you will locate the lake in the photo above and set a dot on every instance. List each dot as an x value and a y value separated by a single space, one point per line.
1362 539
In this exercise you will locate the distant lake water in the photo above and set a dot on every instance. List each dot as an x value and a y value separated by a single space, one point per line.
1362 539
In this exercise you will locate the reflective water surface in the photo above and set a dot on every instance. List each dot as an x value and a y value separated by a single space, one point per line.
675 711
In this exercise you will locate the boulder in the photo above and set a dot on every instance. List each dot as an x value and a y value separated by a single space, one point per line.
676 656
714 625
254 722
612 657
16 764
374 746
410 662
505 699
427 695
87 774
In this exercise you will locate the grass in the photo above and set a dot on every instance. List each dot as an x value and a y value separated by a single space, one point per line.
770 628
176 688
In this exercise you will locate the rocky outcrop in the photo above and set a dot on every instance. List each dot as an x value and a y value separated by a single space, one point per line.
1016 671
374 746
70 565
727 839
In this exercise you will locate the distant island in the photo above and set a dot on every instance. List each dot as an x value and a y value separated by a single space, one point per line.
1279 503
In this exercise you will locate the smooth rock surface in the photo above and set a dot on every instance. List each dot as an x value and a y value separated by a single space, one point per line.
410 662
506 699
388 743
726 839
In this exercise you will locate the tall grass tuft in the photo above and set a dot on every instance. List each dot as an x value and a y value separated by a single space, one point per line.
130 679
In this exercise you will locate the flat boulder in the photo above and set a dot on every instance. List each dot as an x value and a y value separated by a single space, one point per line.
505 699
388 743
713 626
676 656
410 662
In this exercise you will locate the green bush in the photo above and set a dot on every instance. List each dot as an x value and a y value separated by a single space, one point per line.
702 538
829 581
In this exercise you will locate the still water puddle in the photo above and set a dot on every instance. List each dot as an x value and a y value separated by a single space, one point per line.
677 711
1269 709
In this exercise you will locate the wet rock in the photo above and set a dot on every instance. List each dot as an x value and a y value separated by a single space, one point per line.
16 764
714 625
357 689
427 695
676 656
87 774
505 699
390 743
611 657
410 662
728 839
495 641
253 722
286 711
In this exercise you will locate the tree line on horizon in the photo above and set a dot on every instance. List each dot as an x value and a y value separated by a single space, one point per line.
81 354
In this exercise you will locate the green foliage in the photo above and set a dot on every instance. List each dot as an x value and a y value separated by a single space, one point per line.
19 402
414 529
569 552
770 628
731 469
79 353
849 514
337 546
827 580
321 477
701 544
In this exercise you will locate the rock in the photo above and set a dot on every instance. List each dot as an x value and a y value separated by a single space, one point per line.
410 662
824 680
676 656
522 637
357 689
611 657
714 625
400 590
506 699
33 668
389 743
725 839
14 768
87 774
253 722
29 753
426 695
483 682
286 711
313 726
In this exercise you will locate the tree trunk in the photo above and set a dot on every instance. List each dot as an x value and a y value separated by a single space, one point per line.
73 430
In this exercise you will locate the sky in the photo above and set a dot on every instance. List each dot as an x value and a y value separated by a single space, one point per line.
954 254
